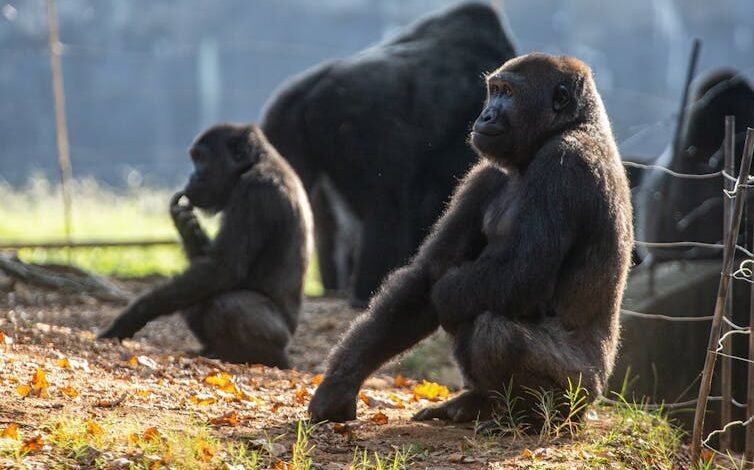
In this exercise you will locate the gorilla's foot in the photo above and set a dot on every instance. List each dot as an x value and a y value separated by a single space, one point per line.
333 401
468 406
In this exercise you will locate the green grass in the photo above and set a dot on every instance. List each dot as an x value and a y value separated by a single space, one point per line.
34 213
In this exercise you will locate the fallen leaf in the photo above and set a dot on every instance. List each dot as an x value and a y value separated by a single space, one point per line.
203 399
5 339
133 362
379 418
10 432
143 393
94 429
317 379
228 419
204 452
401 382
32 444
70 392
151 434
342 429
275 407
301 395
364 398
133 438
431 391
707 455
39 383
280 465
527 454
398 402
219 379
63 363
23 390
111 403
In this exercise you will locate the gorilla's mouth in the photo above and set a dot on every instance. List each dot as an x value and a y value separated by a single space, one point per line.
488 132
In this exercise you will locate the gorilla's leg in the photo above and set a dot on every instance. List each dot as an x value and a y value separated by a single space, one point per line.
384 244
324 237
494 349
242 327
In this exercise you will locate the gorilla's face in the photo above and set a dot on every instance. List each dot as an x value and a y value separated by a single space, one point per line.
521 111
220 156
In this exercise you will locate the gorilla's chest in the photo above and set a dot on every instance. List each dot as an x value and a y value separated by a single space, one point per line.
501 213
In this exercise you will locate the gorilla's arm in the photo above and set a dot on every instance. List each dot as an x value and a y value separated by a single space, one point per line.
223 268
520 269
401 314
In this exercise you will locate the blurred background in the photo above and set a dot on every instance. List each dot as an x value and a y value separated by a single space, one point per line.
142 78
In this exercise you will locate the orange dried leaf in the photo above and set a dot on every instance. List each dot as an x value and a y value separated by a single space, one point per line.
10 432
39 383
133 438
32 444
133 362
280 465
143 393
398 402
70 392
527 454
317 379
301 395
275 407
151 434
401 382
228 419
203 400
204 452
63 363
5 339
707 455
94 429
23 390
219 379
431 391
379 418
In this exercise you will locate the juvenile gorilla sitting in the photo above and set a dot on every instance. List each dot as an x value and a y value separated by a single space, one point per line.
242 292
526 267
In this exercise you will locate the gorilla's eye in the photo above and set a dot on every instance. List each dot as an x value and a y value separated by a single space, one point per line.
507 90
494 89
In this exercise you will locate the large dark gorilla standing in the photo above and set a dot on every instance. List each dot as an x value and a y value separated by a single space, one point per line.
386 127
242 292
526 267
671 209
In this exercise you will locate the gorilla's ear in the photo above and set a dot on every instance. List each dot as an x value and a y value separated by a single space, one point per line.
561 97
243 147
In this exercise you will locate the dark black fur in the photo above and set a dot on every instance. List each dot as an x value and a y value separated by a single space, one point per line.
671 209
387 126
242 292
541 225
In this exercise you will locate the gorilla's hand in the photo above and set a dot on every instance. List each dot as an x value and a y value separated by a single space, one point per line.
333 401
183 217
451 308
126 325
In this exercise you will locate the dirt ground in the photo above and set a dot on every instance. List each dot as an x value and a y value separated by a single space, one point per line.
156 380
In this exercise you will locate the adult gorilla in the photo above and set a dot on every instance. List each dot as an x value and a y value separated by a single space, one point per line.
671 209
386 130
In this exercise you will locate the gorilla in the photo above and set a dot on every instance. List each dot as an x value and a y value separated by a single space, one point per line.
385 129
671 209
527 265
242 291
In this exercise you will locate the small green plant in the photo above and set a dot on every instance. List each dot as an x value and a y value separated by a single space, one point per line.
302 448
575 404
508 419
396 460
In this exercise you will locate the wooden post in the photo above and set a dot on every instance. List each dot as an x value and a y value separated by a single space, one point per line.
722 294
61 127
726 363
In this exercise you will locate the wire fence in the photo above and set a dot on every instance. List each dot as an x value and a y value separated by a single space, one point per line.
723 329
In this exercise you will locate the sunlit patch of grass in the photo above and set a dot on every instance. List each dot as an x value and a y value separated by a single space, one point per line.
396 460
34 213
